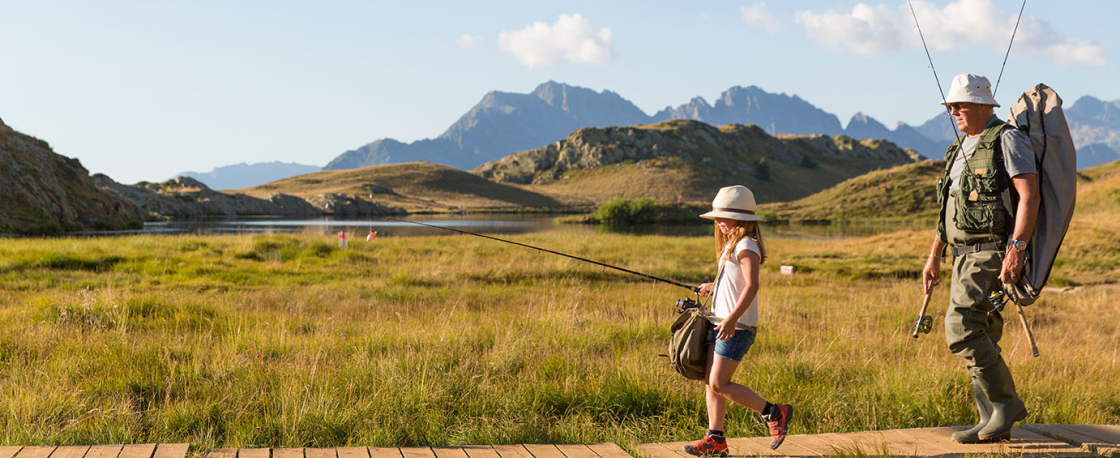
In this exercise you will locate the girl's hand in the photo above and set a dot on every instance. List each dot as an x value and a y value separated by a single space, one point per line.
706 289
725 331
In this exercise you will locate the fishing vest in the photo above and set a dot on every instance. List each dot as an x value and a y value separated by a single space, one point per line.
979 201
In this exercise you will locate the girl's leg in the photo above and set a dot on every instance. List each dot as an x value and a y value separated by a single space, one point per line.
717 405
719 383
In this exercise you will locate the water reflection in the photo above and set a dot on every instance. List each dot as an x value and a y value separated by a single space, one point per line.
506 224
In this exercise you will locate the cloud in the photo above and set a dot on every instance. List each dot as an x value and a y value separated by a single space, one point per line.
1075 52
468 41
872 30
571 39
756 15
866 31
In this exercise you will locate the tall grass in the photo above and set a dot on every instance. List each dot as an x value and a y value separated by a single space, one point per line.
289 341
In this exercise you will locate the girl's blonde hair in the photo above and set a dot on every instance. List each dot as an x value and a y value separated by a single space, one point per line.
741 229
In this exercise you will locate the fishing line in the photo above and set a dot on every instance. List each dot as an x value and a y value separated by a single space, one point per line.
1009 47
948 110
539 249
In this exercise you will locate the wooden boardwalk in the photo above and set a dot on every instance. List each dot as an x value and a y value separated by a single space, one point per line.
1031 440
468 451
98 451
1028 441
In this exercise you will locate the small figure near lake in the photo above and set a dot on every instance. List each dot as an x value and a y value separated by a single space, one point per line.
733 325
989 204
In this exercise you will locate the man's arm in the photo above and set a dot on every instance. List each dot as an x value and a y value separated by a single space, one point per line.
1026 214
932 272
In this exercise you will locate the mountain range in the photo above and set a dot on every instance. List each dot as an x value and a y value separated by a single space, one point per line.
245 175
503 123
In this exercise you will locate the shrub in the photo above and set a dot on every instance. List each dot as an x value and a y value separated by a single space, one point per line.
621 211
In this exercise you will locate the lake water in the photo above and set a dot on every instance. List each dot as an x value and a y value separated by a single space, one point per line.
494 224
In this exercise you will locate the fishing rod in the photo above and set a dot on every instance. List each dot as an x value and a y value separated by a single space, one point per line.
651 277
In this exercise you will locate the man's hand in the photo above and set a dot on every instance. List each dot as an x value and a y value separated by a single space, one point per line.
1013 263
931 274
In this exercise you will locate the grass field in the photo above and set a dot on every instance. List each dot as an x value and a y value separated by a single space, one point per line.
288 341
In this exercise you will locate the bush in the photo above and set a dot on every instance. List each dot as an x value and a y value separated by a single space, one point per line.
622 211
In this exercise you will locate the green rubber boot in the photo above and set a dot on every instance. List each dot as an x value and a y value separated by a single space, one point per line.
1007 408
984 408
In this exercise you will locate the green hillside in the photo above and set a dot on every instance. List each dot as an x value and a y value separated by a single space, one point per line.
690 161
903 192
416 187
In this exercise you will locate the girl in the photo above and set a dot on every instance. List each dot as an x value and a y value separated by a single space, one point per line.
734 318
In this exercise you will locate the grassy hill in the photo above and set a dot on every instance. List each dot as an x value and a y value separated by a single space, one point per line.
690 161
903 192
416 187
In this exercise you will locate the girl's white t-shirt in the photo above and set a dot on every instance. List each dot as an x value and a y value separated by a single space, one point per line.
730 285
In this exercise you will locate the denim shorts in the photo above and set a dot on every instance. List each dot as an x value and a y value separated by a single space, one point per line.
733 348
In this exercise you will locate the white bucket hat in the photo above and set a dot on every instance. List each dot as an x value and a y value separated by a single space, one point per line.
734 202
970 88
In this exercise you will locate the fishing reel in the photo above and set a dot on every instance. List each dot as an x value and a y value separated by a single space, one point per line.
924 325
686 304
999 301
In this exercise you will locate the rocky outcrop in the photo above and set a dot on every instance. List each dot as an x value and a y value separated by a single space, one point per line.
43 193
694 157
187 198
351 206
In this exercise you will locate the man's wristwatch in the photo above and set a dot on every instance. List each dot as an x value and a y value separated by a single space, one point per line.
1019 245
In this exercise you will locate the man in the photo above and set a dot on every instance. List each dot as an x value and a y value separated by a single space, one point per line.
989 202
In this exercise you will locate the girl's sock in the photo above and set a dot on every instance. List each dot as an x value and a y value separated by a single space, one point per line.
768 410
717 435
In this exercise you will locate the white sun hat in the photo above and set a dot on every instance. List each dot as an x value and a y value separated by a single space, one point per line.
969 88
734 202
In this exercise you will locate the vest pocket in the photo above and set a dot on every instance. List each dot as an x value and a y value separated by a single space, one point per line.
979 217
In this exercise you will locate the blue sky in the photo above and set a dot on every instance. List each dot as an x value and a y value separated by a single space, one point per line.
141 90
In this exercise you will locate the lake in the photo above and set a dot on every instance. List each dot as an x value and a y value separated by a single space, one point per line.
497 224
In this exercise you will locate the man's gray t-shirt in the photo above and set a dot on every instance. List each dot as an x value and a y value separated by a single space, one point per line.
1018 155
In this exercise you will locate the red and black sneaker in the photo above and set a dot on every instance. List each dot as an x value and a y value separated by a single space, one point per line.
707 447
778 421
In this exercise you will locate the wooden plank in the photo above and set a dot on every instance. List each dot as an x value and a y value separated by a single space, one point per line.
675 449
383 452
449 452
1105 433
253 453
9 451
576 451
416 452
654 450
169 450
481 451
353 452
213 453
35 452
70 451
1072 434
512 451
102 451
544 451
320 453
287 453
138 451
607 450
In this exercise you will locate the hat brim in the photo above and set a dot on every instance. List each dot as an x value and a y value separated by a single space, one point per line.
974 99
731 215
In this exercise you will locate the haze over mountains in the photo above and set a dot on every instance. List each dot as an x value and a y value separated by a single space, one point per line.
503 123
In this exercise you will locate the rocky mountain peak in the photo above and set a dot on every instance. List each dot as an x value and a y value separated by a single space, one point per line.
4 127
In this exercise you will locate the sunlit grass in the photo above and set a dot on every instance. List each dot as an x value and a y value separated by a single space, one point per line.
290 341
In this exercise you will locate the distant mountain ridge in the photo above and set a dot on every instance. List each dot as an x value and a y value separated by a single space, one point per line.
503 123
244 175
